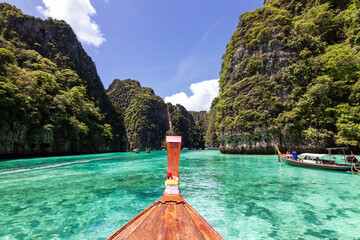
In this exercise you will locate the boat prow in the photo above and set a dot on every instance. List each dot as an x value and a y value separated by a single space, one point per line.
170 217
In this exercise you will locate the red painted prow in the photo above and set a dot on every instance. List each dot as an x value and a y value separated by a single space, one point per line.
173 144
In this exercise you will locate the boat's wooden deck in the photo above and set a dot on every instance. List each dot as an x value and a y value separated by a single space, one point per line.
171 217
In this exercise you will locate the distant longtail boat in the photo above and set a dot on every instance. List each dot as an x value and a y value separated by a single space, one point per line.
170 217
322 161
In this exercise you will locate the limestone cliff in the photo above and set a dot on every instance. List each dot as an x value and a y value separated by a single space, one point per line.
52 100
290 78
209 121
183 124
145 113
148 119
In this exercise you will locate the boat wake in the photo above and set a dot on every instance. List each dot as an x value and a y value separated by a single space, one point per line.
40 167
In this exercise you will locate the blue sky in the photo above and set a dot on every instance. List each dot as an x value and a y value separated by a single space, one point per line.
166 45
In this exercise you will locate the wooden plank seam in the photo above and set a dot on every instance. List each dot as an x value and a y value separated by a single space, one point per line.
143 220
194 221
130 222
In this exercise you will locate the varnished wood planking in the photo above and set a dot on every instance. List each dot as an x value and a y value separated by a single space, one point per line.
128 228
205 228
173 151
171 198
168 221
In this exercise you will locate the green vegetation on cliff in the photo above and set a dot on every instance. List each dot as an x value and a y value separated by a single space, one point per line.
49 101
182 123
210 136
148 119
291 77
145 113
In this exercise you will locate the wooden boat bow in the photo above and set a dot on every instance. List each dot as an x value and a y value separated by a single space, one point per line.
170 217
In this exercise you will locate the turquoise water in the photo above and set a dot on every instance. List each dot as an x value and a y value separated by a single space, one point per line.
241 196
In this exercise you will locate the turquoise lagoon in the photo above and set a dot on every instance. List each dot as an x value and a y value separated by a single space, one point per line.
241 196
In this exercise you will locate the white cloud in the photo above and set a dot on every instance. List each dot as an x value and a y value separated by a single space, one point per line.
77 14
203 94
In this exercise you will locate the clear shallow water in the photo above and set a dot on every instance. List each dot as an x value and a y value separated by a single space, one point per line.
242 196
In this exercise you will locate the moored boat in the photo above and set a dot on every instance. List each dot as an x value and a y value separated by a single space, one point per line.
323 161
170 217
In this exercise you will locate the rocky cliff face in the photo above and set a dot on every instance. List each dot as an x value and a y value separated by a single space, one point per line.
209 122
198 116
146 118
183 124
56 41
60 105
281 76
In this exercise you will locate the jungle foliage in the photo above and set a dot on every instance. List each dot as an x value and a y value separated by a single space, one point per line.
183 124
292 71
148 119
45 106
145 113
